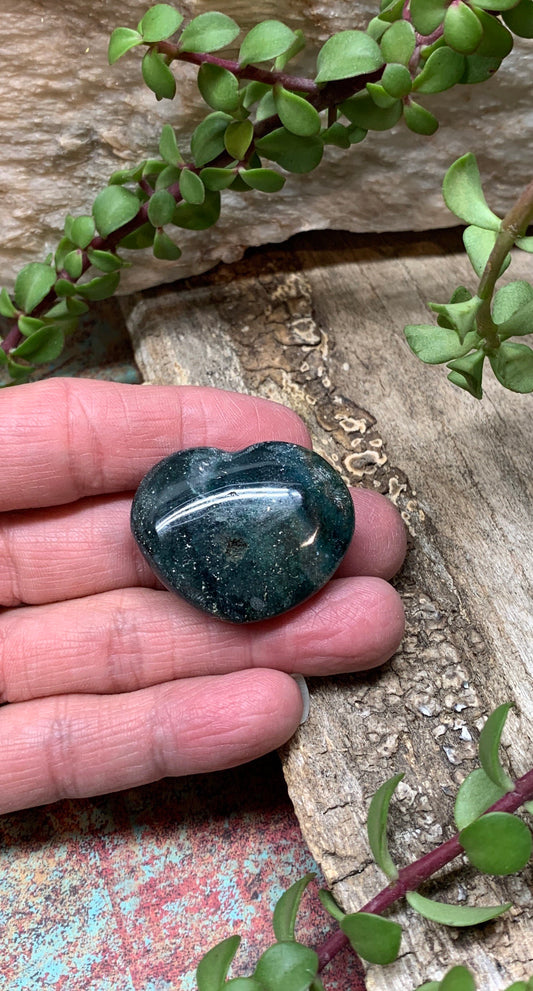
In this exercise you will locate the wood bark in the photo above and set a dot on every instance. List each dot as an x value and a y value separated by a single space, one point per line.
317 324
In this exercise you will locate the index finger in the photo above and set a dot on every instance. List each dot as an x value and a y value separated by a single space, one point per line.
68 438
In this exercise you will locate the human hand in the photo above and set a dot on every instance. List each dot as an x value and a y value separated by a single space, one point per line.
111 680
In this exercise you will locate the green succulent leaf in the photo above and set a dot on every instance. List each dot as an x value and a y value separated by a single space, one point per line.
113 208
120 42
479 243
122 176
467 372
158 76
159 23
297 46
399 42
462 28
65 288
219 87
418 119
460 315
489 744
374 938
161 208
73 263
82 231
19 373
293 152
429 986
6 306
497 843
198 218
169 176
329 903
217 179
347 54
454 915
476 794
509 299
213 967
244 984
463 194
519 324
497 41
207 141
380 96
362 111
168 146
427 15
512 365
266 41
106 261
337 135
442 70
479 68
525 243
238 137
391 11
290 966
436 345
28 325
378 812
295 113
164 247
101 287
286 910
143 237
209 32
191 188
396 79
457 979
265 180
520 19
44 345
32 284
266 106
496 4
376 28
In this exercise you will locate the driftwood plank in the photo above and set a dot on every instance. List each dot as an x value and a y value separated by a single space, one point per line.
317 324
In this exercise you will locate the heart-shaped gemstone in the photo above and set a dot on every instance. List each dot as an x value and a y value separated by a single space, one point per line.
243 536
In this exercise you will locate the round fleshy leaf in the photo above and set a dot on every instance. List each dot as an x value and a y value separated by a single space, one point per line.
399 42
141 238
454 915
464 196
265 180
476 794
479 243
376 825
106 261
443 69
114 207
458 979
497 41
120 42
164 247
159 23
511 298
427 15
513 366
418 119
329 903
32 284
337 135
396 79
168 146
462 28
198 218
435 345
238 137
347 54
82 231
213 967
158 76
292 152
191 187
209 32
286 910
73 263
374 938
217 179
290 966
489 744
266 41
520 19
497 843
43 346
161 208
207 141
219 87
297 46
102 287
6 306
467 372
295 113
362 111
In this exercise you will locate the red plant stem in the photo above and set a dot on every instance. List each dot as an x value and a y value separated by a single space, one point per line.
412 876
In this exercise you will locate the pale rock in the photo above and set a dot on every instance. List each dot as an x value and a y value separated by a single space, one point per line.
68 120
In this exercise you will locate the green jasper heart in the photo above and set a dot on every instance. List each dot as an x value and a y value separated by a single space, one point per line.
243 535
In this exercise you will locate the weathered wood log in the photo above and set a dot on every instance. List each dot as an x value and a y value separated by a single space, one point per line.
317 324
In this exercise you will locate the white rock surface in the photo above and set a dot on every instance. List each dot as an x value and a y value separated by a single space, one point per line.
68 120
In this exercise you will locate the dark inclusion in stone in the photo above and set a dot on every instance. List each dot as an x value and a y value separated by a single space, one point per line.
246 535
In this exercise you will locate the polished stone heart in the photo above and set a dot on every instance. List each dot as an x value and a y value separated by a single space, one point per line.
246 535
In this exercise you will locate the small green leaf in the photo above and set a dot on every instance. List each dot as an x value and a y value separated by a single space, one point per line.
295 113
265 180
399 42
337 135
73 263
219 87
157 75
467 372
122 176
457 979
207 141
519 324
479 243
216 179
120 42
376 28
82 231
28 325
113 208
430 986
520 19
65 288
244 984
168 146
161 208
159 22
525 243
198 218
292 152
168 176
391 11
380 96
464 196
427 15
32 284
376 825
435 345
496 4
191 187
213 967
362 111
43 346
266 41
106 261
511 298
347 54
330 905
6 306
209 32
143 237
238 137
443 69
253 92
476 794
290 966
418 119
374 938
461 315
478 69
286 909
497 41
513 366
489 744
396 79
497 843
454 915
101 287
164 247
297 46
18 372
462 28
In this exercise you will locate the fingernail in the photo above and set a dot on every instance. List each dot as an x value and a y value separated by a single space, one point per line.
304 692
